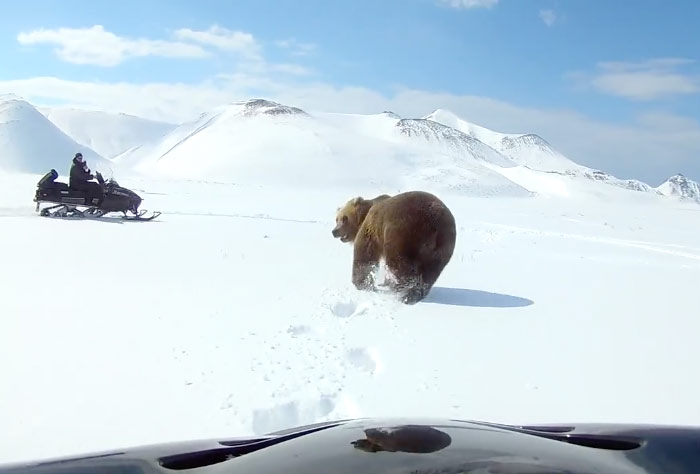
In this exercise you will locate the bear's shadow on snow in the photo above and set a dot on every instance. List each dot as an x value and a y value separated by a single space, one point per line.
474 298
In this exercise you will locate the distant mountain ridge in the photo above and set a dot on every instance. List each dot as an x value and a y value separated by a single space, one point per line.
31 143
440 131
532 151
680 186
109 134
261 139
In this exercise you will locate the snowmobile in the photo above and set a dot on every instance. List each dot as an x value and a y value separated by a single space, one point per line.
69 202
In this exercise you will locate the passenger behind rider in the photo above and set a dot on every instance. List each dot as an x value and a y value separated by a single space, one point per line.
80 177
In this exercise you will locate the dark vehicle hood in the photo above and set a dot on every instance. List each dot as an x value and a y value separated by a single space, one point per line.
410 446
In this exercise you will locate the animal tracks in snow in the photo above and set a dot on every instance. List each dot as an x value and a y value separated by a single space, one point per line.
333 355
366 359
343 309
350 303
299 330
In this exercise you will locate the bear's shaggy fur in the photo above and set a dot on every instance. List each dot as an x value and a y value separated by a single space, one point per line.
413 232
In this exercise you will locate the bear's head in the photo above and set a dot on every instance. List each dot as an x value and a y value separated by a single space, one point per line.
350 217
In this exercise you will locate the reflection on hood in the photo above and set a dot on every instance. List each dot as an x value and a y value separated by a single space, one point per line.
406 439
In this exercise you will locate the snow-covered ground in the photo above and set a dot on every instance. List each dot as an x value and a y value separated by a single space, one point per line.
568 299
233 314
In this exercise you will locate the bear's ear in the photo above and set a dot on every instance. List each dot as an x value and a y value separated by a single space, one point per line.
357 200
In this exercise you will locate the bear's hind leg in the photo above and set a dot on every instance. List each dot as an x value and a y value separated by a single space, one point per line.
414 294
414 282
429 275
408 280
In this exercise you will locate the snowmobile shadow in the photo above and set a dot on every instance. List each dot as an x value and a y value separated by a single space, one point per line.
103 219
474 298
108 220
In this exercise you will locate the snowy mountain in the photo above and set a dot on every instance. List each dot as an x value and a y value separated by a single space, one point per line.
450 140
260 141
30 143
631 184
266 107
680 186
527 150
107 133
265 142
534 152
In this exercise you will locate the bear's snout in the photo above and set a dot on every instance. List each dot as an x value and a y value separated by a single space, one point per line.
336 232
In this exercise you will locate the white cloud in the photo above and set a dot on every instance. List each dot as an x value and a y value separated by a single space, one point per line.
643 81
666 121
293 69
97 46
262 69
297 48
171 102
223 39
549 17
652 148
467 4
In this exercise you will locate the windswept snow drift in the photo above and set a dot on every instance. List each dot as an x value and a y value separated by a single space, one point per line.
30 143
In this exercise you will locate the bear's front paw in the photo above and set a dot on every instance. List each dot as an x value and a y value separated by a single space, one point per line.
365 284
413 295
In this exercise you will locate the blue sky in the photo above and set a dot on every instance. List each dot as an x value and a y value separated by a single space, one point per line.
622 77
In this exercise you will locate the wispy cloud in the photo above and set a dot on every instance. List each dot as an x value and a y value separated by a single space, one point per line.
297 48
159 101
467 4
293 69
548 17
97 46
223 39
642 81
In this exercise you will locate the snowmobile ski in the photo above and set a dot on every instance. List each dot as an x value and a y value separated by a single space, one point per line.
140 216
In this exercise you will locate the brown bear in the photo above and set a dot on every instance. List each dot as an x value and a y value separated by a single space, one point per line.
413 232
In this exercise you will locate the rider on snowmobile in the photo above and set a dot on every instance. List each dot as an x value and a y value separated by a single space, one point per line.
80 177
